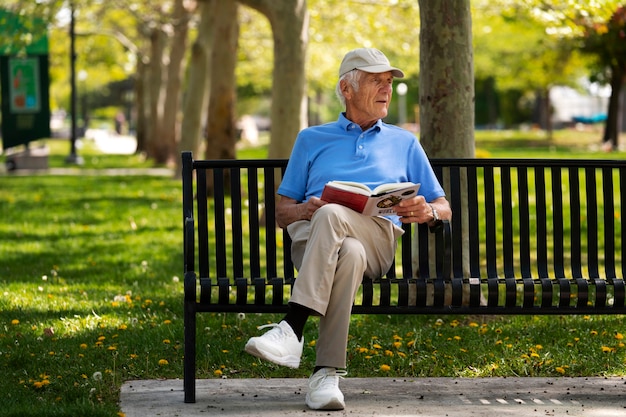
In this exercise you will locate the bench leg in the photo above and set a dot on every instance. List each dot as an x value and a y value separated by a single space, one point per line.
189 370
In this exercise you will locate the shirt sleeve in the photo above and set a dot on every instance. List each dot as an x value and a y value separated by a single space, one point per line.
294 181
422 172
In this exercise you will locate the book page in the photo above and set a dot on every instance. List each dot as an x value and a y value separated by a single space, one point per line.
384 188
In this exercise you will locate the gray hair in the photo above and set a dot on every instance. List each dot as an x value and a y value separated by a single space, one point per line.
352 77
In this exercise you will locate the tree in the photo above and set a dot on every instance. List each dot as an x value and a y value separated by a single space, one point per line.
163 148
221 135
521 52
446 78
607 42
199 76
447 84
289 21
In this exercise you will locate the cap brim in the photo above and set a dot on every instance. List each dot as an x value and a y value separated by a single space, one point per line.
376 69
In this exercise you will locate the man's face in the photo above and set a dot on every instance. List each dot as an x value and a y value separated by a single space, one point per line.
371 101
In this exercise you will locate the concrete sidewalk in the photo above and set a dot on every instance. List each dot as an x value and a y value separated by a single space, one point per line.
433 397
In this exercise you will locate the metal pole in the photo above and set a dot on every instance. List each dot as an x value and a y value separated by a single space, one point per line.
73 158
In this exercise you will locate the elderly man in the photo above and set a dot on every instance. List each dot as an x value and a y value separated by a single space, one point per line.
334 246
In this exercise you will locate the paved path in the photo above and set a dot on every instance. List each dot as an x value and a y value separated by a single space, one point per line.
381 397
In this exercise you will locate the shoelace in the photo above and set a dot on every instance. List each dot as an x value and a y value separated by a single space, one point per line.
330 381
275 333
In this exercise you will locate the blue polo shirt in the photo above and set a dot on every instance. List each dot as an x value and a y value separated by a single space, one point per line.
341 150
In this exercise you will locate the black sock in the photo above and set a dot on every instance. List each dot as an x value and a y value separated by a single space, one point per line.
296 317
317 368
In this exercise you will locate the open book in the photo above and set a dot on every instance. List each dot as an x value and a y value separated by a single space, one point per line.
376 202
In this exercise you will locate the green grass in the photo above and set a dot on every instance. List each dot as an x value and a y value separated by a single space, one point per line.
91 298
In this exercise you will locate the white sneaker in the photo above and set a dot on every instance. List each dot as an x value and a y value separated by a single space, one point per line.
324 393
279 345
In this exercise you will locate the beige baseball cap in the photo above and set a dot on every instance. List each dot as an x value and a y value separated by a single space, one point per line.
368 60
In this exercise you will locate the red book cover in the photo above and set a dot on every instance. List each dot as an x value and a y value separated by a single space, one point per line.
349 199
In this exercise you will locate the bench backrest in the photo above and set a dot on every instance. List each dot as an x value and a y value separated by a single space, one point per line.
537 218
526 233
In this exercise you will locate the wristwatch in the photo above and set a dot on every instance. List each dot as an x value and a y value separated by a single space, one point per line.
437 223
435 214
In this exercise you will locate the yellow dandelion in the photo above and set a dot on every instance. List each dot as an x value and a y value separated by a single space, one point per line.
37 384
388 353
122 327
560 370
619 336
402 354
163 362
534 355
167 321
457 337
225 351
607 349
133 356
411 343
397 345
363 350
15 322
111 348
312 343
377 346
217 372
594 333
166 341
83 345
385 368
538 347
120 414
101 338
473 324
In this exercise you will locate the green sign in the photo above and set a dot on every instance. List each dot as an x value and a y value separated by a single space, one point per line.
24 80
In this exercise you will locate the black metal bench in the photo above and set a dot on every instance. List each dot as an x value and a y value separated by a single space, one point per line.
530 237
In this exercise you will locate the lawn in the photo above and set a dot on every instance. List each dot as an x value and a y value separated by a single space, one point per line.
92 297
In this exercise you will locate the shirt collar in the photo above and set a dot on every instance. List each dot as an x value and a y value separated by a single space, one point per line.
349 125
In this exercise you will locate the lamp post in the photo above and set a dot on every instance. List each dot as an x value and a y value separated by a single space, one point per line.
73 158
402 89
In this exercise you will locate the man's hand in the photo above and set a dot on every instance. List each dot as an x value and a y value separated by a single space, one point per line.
289 210
418 210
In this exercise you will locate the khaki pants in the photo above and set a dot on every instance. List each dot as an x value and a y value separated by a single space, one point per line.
332 253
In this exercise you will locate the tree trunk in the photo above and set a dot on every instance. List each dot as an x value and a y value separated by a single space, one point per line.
141 103
447 87
446 78
221 135
154 80
611 130
165 140
196 98
289 20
